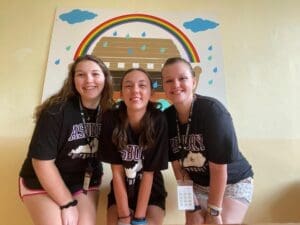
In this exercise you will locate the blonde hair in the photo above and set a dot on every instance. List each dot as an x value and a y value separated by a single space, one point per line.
173 60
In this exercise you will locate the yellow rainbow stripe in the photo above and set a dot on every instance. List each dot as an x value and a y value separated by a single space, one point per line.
138 17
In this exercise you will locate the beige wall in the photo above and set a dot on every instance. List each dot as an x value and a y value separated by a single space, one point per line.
261 49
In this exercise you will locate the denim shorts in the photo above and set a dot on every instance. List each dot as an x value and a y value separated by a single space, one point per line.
241 191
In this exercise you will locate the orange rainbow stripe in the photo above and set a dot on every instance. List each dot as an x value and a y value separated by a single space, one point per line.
138 17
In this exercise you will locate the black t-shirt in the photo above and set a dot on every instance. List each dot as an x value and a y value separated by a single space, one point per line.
211 138
134 159
59 134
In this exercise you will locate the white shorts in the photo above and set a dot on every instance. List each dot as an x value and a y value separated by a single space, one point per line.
241 191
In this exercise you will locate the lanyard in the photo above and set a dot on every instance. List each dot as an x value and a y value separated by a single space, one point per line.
88 138
89 170
183 140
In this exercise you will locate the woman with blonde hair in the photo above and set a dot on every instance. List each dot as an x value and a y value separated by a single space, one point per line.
204 151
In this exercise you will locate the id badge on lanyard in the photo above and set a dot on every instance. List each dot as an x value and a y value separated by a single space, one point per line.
89 170
185 192
87 178
185 195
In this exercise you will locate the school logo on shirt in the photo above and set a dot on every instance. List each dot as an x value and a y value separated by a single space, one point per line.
85 151
132 162
93 130
78 132
194 160
194 143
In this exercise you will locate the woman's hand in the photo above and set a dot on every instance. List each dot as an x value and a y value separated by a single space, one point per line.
194 218
121 223
126 221
70 216
209 219
213 219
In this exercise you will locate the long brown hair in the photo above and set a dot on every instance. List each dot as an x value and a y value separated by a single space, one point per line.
68 89
147 129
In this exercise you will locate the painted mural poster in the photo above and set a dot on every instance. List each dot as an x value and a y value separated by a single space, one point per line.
125 39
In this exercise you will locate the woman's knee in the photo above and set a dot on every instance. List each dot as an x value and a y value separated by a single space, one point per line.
112 215
233 211
87 207
155 215
42 209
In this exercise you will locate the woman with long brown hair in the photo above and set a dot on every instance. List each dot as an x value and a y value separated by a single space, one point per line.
135 144
60 178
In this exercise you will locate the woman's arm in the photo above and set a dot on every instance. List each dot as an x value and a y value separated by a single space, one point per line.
120 192
144 194
179 173
55 187
217 185
51 181
191 217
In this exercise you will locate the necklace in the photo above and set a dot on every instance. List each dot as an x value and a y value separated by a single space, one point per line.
89 169
183 141
85 128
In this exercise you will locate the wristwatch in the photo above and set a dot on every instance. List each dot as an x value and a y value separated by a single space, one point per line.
214 211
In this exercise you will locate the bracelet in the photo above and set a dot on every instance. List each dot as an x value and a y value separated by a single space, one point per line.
70 204
124 217
139 221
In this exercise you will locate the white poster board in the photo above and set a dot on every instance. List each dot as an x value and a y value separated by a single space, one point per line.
132 39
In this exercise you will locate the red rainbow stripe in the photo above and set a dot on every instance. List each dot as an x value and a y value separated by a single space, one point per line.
138 17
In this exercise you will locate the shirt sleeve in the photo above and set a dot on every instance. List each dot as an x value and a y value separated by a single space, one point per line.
156 159
173 151
219 136
107 150
45 138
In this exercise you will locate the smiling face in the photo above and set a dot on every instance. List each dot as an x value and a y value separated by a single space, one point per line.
178 82
89 82
136 90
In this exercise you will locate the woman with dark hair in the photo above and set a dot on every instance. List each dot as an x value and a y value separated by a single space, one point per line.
60 177
134 142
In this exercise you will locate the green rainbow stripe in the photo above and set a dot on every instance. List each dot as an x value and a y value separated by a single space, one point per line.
138 17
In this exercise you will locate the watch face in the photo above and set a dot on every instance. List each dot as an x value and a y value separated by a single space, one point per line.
213 212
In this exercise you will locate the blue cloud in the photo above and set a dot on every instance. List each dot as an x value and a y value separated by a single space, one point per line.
199 24
77 16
